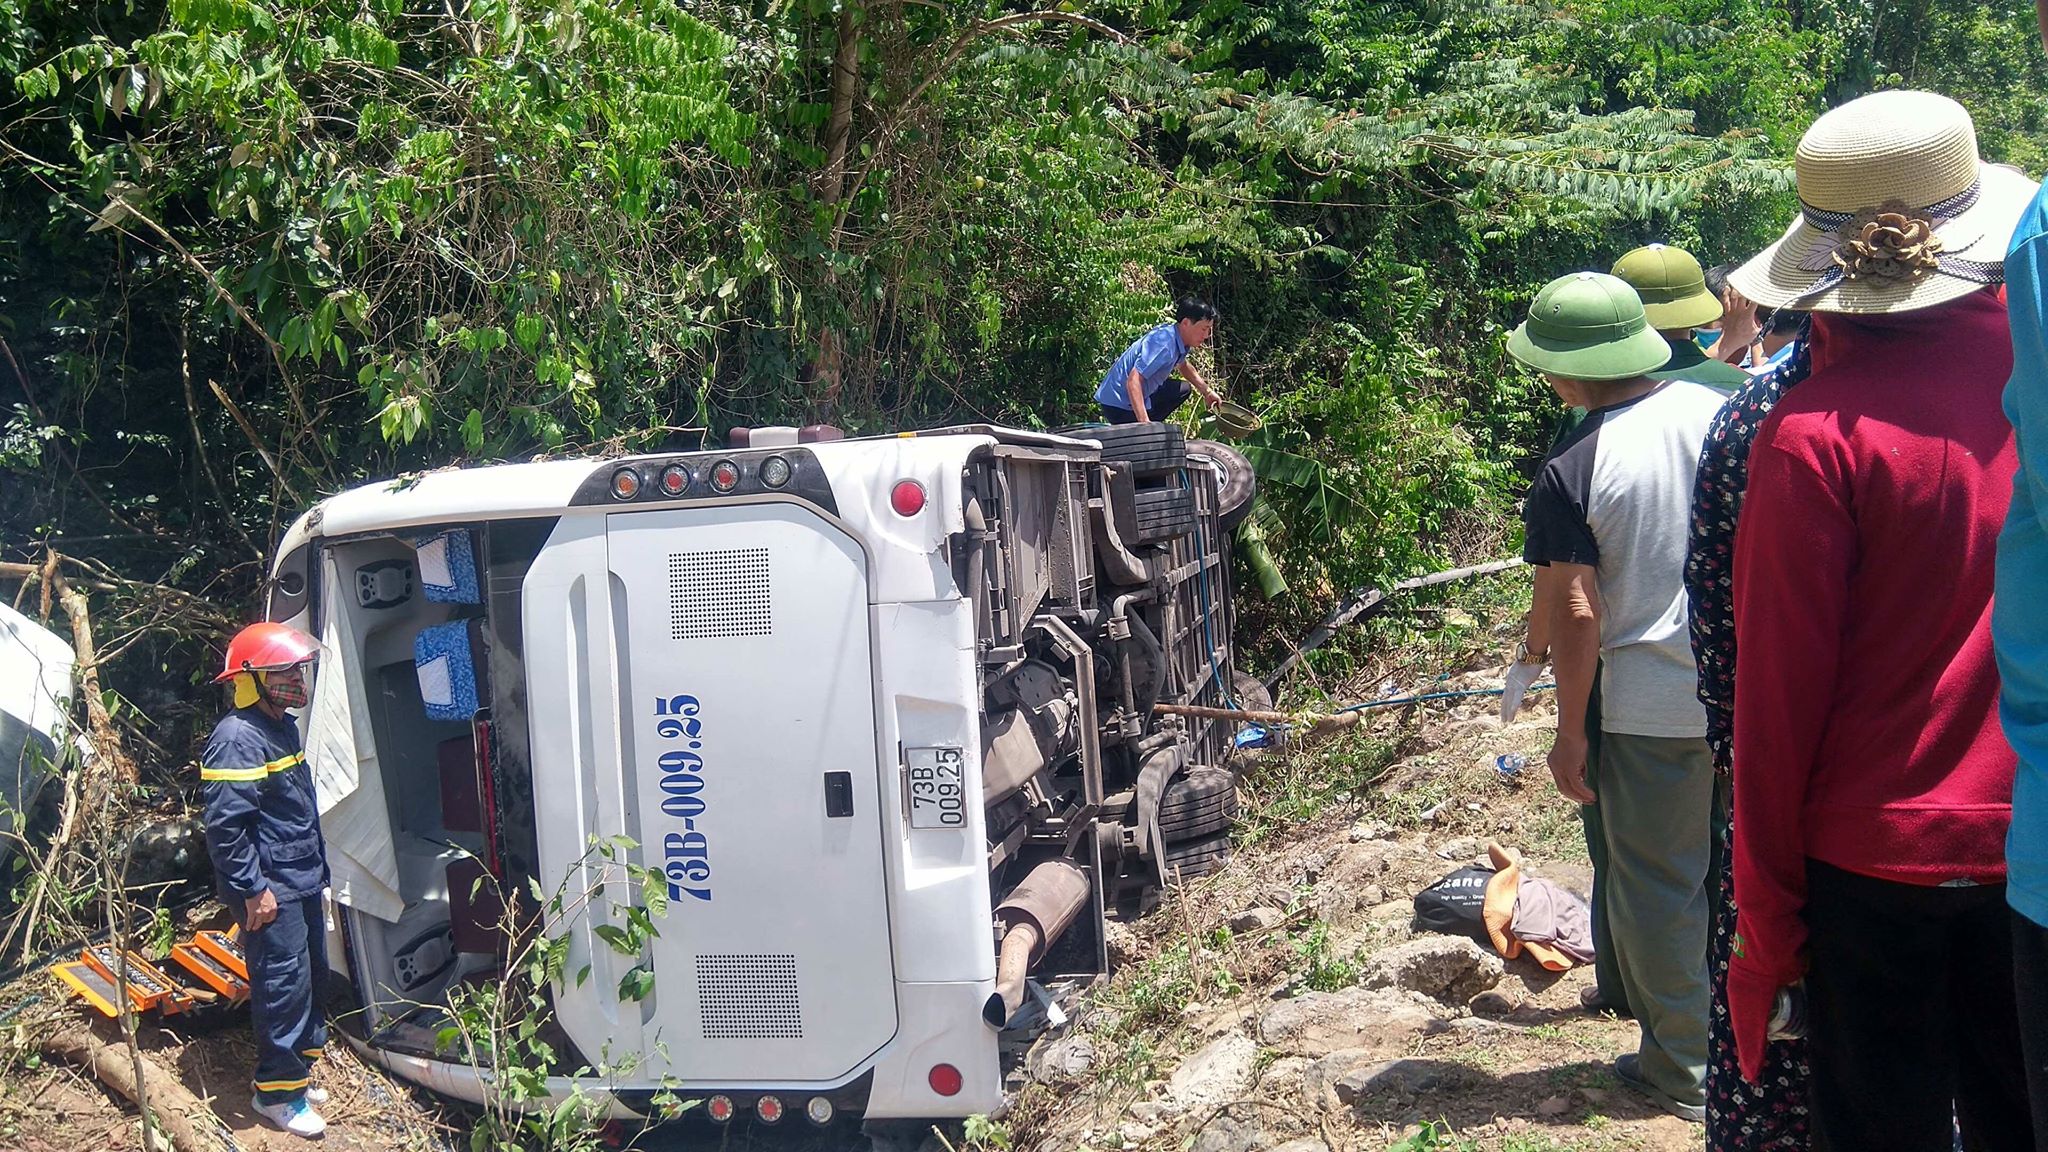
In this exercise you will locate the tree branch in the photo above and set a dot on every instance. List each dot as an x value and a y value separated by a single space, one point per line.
199 442
946 63
255 441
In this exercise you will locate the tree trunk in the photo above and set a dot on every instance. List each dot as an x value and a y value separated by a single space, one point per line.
845 80
826 365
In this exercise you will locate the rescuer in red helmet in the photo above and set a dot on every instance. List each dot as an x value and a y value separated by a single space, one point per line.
263 833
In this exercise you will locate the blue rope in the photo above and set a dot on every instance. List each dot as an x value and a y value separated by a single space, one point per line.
7 1017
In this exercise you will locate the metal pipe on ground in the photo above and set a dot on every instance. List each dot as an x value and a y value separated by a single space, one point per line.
1364 602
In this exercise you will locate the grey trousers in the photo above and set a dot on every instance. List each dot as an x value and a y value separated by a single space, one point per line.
1656 798
1606 971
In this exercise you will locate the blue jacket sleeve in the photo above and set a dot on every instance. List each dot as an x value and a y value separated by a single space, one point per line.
230 773
2019 616
2026 395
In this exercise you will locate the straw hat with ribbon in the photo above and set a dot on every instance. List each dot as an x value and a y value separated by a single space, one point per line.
1898 212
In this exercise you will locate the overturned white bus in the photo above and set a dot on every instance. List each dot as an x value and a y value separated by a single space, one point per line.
881 711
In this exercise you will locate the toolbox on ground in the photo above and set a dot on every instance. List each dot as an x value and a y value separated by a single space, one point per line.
207 970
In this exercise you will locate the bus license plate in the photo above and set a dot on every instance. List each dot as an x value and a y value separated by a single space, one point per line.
934 786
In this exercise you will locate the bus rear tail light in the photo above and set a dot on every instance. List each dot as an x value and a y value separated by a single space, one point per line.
907 498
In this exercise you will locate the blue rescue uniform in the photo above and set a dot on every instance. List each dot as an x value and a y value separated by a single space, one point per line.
263 831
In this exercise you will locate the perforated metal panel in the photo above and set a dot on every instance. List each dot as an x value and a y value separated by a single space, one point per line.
719 594
749 996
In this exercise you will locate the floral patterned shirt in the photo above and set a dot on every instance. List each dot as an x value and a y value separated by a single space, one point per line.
1710 552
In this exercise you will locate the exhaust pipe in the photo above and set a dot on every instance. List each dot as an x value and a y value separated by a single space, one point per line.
1034 916
1020 943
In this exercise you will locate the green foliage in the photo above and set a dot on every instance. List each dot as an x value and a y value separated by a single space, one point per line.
985 1135
1154 994
258 250
1322 969
507 1025
1434 1136
1286 788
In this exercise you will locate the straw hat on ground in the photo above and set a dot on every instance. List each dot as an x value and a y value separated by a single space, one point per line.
1898 212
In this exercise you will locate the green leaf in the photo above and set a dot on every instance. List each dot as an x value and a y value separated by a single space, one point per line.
636 984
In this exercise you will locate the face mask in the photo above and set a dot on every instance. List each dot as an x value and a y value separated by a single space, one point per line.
286 687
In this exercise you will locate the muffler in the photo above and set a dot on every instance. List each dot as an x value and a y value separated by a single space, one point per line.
1034 916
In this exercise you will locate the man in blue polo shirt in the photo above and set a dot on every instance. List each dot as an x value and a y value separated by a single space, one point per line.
1137 388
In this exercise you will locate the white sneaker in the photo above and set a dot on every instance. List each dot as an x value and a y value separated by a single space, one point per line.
294 1116
315 1094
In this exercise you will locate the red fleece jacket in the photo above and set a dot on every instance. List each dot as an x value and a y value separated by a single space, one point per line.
1866 697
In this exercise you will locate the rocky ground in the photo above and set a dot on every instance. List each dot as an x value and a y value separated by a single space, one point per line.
1281 1004
1285 1003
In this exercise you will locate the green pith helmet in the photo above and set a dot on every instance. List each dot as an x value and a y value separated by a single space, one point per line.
1673 288
1588 326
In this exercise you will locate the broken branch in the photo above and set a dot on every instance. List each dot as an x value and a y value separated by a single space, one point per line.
185 1118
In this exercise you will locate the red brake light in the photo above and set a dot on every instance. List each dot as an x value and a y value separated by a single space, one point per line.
719 1108
675 479
769 1109
907 498
945 1079
725 475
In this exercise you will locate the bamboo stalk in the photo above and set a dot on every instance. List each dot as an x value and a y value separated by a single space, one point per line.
1316 722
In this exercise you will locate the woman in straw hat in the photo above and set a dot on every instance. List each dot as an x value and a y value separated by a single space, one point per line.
1872 785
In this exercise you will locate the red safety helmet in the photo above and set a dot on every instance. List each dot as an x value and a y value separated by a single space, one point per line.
267 647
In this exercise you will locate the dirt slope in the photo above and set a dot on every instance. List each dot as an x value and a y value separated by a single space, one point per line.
1241 1019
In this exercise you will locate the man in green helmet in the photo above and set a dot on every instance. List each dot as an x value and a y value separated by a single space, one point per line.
1605 526
1674 292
